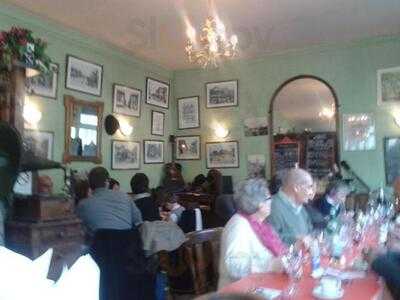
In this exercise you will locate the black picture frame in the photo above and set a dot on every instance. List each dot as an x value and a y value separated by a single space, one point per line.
114 165
34 89
70 59
154 130
179 155
149 93
121 111
222 85
146 159
235 164
181 116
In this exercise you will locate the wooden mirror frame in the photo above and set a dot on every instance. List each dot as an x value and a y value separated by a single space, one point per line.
69 103
271 114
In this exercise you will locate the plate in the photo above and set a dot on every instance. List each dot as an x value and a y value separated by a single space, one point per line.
317 293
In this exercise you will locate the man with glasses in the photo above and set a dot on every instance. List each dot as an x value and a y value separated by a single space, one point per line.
288 215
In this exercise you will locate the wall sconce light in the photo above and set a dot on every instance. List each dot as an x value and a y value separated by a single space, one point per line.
31 114
221 132
125 128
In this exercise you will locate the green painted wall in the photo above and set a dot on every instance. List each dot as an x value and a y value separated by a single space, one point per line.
118 67
350 69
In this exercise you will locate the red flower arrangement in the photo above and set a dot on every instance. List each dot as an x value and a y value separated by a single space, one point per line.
19 44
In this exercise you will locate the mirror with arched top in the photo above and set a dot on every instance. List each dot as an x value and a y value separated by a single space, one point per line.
303 120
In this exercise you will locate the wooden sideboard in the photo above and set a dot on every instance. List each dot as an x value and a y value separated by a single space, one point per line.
32 239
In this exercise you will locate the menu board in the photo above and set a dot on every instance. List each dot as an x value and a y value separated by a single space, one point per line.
320 153
286 154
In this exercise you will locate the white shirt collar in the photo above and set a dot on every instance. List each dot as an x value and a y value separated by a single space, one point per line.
140 196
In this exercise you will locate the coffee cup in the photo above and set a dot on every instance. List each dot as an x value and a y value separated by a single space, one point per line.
330 286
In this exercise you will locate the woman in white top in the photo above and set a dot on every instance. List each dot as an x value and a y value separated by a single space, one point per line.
248 244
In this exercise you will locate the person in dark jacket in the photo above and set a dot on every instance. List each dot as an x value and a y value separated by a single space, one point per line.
143 199
332 202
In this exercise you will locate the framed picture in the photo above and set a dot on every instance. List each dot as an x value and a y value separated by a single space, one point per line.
157 122
222 94
44 84
125 155
126 100
83 76
392 158
187 147
388 85
40 142
188 112
358 132
222 154
157 92
153 152
256 126
256 166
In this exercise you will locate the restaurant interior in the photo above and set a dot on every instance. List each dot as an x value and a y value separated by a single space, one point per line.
158 142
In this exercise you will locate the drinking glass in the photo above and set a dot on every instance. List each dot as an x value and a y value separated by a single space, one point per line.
292 262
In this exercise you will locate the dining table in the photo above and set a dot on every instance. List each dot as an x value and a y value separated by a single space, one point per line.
369 287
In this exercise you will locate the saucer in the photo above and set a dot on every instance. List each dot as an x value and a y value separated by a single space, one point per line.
317 293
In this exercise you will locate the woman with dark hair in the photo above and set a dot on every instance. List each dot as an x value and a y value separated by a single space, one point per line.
143 199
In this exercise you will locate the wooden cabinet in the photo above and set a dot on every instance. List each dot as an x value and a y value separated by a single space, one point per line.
32 239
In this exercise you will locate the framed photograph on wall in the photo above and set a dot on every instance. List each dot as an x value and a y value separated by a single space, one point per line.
359 132
222 154
388 85
153 152
126 100
188 112
125 155
157 123
40 142
187 147
222 94
83 76
157 92
391 147
44 84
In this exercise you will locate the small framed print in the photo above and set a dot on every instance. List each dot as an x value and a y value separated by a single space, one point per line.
188 112
40 142
222 94
83 76
44 84
388 86
126 100
157 123
222 154
153 152
157 93
125 155
187 147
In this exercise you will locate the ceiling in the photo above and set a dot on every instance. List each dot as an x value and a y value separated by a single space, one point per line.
155 29
299 103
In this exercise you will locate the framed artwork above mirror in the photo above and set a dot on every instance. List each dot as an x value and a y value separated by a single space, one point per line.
83 125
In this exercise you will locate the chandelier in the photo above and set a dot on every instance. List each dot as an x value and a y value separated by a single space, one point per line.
213 44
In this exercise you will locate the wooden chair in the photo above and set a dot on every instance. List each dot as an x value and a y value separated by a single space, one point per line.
198 257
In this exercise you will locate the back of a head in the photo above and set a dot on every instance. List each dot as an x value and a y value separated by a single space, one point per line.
199 180
98 177
139 183
295 176
337 186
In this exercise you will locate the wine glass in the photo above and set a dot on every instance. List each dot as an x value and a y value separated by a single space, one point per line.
292 262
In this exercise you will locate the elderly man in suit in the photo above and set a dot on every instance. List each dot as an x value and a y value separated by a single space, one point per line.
288 215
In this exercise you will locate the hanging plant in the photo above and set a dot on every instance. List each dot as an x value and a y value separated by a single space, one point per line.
19 44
